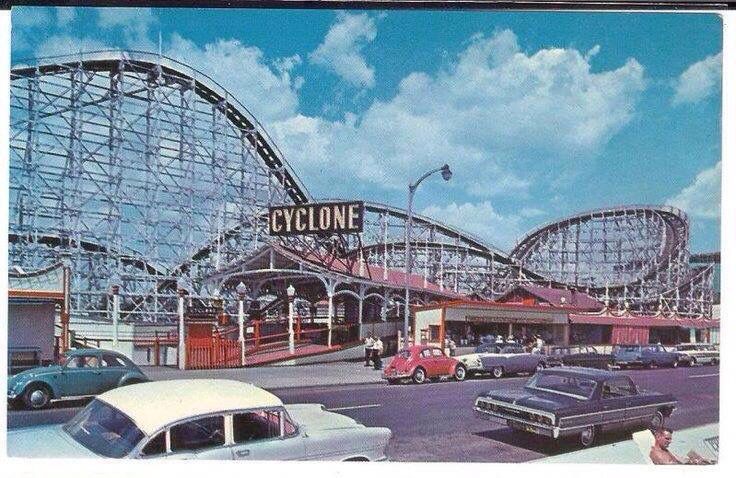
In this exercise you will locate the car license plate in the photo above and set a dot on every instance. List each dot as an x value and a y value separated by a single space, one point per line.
521 426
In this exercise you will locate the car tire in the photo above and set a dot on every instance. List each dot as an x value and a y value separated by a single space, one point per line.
675 364
587 436
657 420
460 373
36 396
393 381
497 372
714 362
419 376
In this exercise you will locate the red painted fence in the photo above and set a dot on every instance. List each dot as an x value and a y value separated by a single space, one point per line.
212 352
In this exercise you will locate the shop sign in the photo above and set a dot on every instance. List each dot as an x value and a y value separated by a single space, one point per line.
202 314
509 320
316 218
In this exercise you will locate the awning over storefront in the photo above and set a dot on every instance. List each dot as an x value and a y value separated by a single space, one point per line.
628 320
44 284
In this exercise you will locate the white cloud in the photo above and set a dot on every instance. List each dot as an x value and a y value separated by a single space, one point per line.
699 80
268 91
64 16
497 115
68 45
136 20
341 50
702 198
134 23
480 219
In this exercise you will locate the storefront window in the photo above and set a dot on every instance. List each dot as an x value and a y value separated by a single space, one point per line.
589 334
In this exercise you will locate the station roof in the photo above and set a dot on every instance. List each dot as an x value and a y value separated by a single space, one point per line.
557 297
632 320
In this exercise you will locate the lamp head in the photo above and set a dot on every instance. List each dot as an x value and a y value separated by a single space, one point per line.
290 291
446 173
241 289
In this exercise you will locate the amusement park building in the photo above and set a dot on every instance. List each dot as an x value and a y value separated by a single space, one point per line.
144 176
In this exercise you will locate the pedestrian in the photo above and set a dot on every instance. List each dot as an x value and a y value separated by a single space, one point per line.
368 350
539 343
377 351
661 455
510 339
499 339
450 345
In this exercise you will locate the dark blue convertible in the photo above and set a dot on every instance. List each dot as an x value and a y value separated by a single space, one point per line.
576 401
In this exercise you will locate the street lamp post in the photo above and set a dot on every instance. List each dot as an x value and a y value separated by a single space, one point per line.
446 175
241 289
115 314
290 292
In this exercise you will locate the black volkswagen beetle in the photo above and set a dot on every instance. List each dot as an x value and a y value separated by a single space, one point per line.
576 401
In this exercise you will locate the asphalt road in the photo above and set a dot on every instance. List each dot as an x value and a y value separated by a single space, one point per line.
435 421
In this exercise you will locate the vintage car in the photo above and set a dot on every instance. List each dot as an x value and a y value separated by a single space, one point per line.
579 356
472 361
201 419
511 359
422 362
82 372
575 401
645 356
700 353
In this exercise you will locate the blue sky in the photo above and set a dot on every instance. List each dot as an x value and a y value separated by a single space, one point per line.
540 115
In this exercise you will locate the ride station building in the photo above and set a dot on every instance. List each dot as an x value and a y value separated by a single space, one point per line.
558 316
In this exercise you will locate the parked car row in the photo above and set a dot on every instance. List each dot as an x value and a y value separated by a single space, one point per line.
569 394
420 363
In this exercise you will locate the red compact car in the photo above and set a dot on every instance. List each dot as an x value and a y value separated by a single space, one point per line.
422 362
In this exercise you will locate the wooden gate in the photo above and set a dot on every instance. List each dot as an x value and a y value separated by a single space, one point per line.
212 352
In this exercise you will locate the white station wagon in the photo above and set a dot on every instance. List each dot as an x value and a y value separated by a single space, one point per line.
201 419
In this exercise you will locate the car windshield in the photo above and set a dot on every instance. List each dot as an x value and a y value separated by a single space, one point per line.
104 430
570 385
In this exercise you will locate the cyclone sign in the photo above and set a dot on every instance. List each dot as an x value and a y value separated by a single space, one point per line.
316 218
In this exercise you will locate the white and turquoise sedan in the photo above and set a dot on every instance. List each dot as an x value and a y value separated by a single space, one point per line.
201 419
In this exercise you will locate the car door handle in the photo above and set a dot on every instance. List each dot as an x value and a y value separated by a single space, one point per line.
242 453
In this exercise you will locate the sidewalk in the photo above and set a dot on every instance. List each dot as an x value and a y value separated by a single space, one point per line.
338 373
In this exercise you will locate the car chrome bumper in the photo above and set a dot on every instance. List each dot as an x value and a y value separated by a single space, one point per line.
518 424
395 376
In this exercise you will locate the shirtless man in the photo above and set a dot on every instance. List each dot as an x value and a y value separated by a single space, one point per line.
660 455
